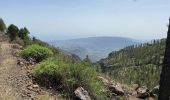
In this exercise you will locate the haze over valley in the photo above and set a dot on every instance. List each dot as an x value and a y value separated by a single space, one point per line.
95 47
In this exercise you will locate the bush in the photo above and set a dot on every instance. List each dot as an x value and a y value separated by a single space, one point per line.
23 33
67 77
44 44
12 32
37 52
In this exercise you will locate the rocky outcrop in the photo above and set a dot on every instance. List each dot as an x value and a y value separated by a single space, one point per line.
114 87
143 92
25 62
82 94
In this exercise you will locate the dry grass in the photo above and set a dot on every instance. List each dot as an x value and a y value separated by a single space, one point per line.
6 63
48 97
7 94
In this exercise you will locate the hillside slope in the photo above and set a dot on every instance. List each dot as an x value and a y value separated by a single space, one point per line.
139 64
15 80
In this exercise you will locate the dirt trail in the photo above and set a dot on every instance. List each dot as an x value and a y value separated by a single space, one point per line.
7 63
15 83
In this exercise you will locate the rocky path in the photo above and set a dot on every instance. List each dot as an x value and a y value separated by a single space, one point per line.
7 63
16 80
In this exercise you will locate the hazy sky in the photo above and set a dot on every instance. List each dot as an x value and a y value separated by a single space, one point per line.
65 19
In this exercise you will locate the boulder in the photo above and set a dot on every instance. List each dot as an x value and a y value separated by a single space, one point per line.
155 90
142 92
114 87
82 94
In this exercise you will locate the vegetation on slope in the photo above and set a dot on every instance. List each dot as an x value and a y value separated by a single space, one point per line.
62 75
139 64
68 77
60 71
37 52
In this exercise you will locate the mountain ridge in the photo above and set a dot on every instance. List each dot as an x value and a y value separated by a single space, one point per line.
95 47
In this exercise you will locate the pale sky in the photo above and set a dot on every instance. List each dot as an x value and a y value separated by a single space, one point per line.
67 19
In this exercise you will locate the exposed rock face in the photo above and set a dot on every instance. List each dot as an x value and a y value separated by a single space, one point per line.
112 86
82 94
143 92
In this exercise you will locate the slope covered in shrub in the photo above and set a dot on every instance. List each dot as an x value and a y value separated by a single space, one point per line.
67 77
36 52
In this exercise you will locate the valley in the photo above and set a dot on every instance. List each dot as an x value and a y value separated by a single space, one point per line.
95 47
42 71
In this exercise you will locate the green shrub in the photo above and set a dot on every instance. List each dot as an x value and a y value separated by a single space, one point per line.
36 52
12 32
56 73
23 33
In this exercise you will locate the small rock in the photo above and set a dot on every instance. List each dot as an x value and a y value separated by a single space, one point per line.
116 88
143 92
82 94
112 86
30 88
29 83
35 86
20 62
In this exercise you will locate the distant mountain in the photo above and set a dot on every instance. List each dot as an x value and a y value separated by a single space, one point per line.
95 47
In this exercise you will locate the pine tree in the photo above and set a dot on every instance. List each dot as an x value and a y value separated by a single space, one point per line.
12 32
23 33
87 60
